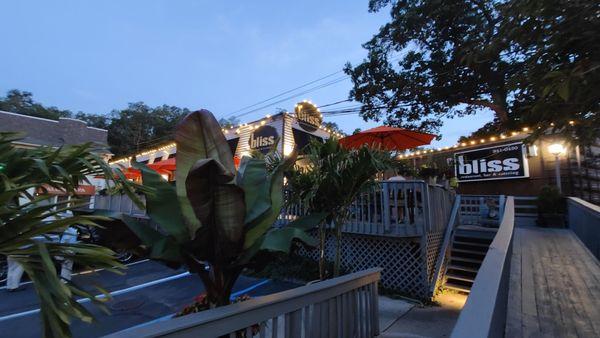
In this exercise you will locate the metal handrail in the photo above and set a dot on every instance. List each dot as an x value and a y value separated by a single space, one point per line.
484 314
345 306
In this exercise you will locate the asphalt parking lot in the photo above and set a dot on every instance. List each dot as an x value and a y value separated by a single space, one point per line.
148 291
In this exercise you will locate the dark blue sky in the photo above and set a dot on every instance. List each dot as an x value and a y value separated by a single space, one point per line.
95 56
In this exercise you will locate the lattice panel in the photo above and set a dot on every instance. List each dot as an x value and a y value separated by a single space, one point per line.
400 259
434 244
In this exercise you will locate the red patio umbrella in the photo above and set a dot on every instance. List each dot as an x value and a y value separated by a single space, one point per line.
388 138
168 164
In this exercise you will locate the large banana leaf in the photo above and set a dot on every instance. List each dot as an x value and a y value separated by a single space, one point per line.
280 239
261 224
162 204
161 247
252 176
198 136
217 201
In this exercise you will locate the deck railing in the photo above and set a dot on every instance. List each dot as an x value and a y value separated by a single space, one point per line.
484 314
584 220
345 306
401 209
471 207
388 208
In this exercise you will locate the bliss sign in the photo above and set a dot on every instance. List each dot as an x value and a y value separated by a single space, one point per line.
501 162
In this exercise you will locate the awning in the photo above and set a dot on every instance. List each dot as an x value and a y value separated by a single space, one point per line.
302 139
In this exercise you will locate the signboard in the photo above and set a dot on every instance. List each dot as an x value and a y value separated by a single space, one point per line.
502 162
263 139
308 116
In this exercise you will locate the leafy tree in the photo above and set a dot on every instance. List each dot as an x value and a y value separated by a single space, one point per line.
439 59
25 216
332 126
140 126
229 122
331 181
94 120
20 102
217 220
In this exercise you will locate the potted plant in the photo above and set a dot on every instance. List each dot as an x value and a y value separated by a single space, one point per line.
429 173
551 206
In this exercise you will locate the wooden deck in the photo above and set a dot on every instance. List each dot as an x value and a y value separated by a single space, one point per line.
554 286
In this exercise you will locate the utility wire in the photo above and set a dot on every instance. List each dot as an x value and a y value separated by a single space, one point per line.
327 84
285 92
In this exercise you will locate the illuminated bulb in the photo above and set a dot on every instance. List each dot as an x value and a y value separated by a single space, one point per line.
514 133
472 142
481 141
571 122
525 129
492 138
463 144
502 137
262 123
288 149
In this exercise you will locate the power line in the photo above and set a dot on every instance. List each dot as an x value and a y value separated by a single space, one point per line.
327 84
285 92
296 95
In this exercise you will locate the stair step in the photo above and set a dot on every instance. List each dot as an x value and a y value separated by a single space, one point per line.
457 287
462 268
462 278
473 252
482 245
468 260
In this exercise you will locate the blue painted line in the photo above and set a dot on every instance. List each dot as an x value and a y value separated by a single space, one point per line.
233 295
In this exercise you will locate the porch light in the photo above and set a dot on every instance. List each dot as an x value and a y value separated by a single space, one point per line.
556 149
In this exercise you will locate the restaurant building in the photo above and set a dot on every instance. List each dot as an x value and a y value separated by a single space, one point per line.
282 132
511 165
56 133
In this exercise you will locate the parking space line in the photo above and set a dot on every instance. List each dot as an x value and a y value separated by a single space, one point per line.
79 273
101 296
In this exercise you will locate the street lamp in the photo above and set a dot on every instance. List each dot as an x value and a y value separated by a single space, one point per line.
557 149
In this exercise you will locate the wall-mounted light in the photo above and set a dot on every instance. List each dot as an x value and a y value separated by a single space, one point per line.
557 149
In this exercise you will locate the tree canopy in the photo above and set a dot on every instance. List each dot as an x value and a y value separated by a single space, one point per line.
136 127
530 62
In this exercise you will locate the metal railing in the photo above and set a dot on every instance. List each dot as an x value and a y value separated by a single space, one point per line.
484 314
345 306
584 221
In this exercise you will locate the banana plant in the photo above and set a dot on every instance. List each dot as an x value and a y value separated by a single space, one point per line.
28 216
216 220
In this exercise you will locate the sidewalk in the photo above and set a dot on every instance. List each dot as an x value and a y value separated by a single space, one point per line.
399 318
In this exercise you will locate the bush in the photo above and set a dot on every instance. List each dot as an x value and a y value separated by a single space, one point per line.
550 201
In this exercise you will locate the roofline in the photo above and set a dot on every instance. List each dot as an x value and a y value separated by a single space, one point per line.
50 120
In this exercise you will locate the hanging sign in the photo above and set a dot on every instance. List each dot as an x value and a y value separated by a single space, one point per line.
263 139
502 162
308 116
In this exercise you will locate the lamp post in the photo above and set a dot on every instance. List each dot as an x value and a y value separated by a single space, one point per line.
557 149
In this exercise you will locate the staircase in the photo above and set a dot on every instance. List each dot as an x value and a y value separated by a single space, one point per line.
469 246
